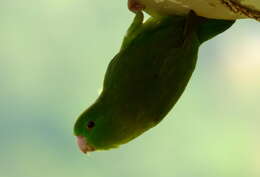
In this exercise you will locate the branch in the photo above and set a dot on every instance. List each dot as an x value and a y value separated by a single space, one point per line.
218 9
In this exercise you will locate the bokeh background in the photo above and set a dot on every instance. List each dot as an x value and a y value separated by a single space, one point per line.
53 56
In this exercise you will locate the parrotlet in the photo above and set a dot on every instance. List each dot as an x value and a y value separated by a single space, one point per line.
145 79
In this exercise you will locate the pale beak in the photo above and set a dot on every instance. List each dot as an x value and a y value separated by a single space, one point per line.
83 145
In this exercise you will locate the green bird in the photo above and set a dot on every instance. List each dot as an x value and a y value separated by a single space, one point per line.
145 79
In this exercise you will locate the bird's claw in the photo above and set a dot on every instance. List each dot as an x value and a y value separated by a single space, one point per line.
135 6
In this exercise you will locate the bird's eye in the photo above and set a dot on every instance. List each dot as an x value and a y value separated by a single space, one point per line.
90 124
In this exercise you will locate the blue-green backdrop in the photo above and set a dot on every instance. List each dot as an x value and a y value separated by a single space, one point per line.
53 56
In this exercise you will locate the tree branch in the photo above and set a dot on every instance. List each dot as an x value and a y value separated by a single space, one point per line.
218 9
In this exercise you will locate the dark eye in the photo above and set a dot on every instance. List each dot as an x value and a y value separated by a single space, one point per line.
91 124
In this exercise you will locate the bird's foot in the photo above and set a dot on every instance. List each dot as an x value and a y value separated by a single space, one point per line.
135 6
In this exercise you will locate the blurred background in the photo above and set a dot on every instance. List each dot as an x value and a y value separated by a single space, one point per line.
53 56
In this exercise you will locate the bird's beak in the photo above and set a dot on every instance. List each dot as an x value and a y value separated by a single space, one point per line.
83 145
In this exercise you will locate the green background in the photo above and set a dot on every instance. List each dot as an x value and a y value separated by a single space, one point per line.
53 56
